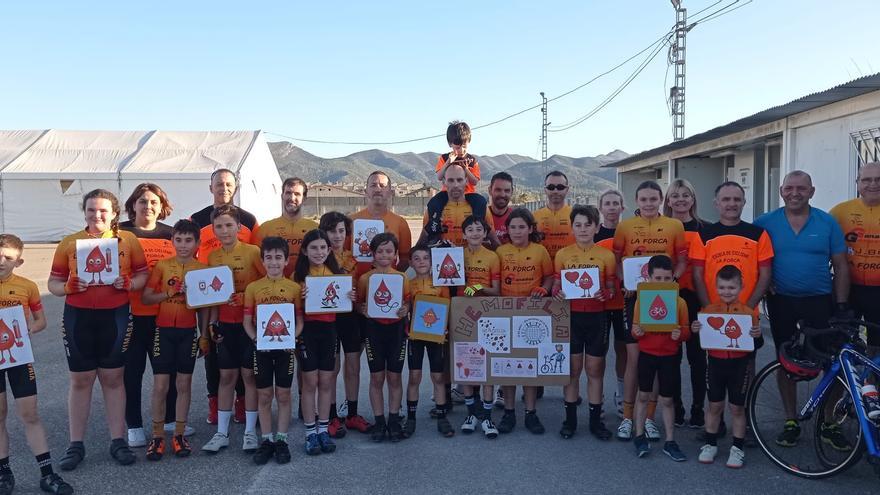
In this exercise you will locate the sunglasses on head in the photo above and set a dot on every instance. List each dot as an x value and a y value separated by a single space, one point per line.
556 187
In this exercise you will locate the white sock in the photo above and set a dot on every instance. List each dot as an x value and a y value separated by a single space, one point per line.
620 387
250 421
223 418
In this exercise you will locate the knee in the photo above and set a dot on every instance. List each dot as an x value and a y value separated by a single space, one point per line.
29 415
184 385
111 379
665 401
81 382
737 411
715 408
282 395
227 378
394 379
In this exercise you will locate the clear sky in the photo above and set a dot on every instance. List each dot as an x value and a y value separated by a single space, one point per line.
393 70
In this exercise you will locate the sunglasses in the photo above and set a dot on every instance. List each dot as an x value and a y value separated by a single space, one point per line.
556 187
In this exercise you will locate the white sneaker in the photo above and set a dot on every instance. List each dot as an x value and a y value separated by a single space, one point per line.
736 459
499 398
250 443
708 453
342 410
470 424
187 432
625 430
217 442
456 396
137 437
489 428
651 431
618 402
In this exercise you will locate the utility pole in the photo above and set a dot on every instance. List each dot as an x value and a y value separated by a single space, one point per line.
677 59
544 132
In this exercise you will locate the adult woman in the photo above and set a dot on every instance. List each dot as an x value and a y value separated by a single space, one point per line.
96 325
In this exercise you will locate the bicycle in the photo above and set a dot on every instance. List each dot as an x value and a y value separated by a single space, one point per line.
834 402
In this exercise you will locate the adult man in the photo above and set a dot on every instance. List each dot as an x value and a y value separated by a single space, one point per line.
379 193
455 211
290 226
500 193
805 241
553 219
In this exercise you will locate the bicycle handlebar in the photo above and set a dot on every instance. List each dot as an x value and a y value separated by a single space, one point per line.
847 326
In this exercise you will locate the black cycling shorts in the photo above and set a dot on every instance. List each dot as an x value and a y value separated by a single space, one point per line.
786 311
628 312
274 367
316 346
237 349
348 329
95 338
865 302
589 333
386 345
174 350
22 381
436 355
729 377
615 320
665 368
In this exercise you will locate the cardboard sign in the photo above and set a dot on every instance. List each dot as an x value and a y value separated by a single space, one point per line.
97 260
448 266
517 336
384 295
581 283
658 306
726 332
15 345
328 294
276 327
430 317
208 287
364 231
635 271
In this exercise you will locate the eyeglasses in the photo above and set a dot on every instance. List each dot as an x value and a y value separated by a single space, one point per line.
869 180
556 187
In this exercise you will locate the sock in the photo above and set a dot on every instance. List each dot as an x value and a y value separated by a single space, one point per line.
712 439
333 413
352 408
310 429
411 407
652 409
449 390
4 465
487 410
531 411
158 429
380 421
223 418
620 388
571 413
266 436
627 410
44 460
323 425
281 437
441 411
471 402
250 420
739 442
595 414
179 428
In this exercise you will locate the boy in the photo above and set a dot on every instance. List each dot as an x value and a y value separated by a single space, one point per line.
274 288
728 372
658 360
19 291
234 348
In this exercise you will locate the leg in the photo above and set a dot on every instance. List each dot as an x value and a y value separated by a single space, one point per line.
135 364
641 407
183 384
160 390
377 400
282 397
4 434
326 383
79 402
307 399
572 390
596 377
713 417
113 390
412 385
395 392
264 400
668 405
352 375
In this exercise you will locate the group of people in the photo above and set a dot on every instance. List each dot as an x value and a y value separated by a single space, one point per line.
110 331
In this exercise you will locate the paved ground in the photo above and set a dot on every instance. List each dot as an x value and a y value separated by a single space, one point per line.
519 462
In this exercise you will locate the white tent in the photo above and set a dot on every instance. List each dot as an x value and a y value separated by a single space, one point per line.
43 174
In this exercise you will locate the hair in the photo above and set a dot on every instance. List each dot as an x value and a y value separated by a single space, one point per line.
730 273
419 247
472 219
293 182
610 192
230 210
11 241
526 216
114 205
869 164
682 184
331 219
379 172
729 183
797 173
225 171
139 191
659 262
185 226
556 173
588 211
501 176
274 243
382 238
301 269
458 133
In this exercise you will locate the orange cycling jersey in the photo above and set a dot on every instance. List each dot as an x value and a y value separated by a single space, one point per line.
290 231
736 308
208 241
271 291
617 301
246 265
481 267
364 285
861 227
157 246
425 285
394 224
691 235
638 236
166 277
556 227
596 256
346 261
131 261
470 162
19 291
523 269
323 271
454 214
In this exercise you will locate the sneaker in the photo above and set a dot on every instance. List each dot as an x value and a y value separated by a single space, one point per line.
377 433
651 430
217 442
409 428
328 446
469 425
533 424
212 410
708 453
508 422
698 420
137 437
188 431
395 431
52 483
618 403
791 432
671 449
600 431
312 446
830 434
456 397
239 416
567 431
250 442
264 453
120 452
342 410
7 482
156 449
643 448
436 412
180 446
499 398
736 459
74 455
625 430
282 452
444 427
357 423
336 428
489 429
679 421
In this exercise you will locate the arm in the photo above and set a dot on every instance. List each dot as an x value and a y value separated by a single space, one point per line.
471 178
841 277
765 274
700 285
38 321
681 263
150 296
249 328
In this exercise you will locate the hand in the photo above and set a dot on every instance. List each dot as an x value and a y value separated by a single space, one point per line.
204 346
676 334
472 290
75 285
122 283
628 293
637 330
215 335
305 292
539 292
362 308
558 295
696 326
403 311
601 295
235 299
755 332
352 295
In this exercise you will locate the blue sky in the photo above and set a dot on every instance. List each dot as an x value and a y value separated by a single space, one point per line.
386 71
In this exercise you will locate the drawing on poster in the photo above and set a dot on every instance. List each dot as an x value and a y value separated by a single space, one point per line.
384 295
531 331
276 326
554 358
448 267
470 362
15 345
658 306
635 271
208 286
364 231
494 334
514 367
328 294
580 283
726 332
97 260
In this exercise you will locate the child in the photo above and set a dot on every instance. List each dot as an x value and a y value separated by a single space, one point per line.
420 261
234 348
275 365
482 275
728 372
176 341
317 345
658 360
385 342
19 291
589 332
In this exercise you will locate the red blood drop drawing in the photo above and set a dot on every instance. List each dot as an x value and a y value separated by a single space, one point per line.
216 284
447 270
97 263
9 337
572 277
715 322
644 272
586 283
330 296
275 328
382 298
429 318
733 332
658 309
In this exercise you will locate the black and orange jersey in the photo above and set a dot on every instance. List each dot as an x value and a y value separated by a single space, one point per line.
364 285
691 234
481 267
157 246
556 227
394 224
166 276
271 291
208 242
425 285
19 291
744 245
596 256
661 343
861 231
454 214
246 265
131 261
499 224
638 236
735 308
469 161
605 238
290 231
523 269
321 271
345 260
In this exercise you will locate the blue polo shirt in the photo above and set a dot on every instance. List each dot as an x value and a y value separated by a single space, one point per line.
801 265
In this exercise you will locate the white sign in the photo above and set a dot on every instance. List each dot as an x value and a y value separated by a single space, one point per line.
726 332
470 362
553 359
15 345
208 286
581 283
328 294
384 295
364 231
448 266
276 327
531 331
635 271
493 334
97 260
514 367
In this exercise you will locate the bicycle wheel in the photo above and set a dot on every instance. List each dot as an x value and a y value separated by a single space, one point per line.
837 409
808 458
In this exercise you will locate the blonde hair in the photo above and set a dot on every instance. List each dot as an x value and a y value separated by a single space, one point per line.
681 184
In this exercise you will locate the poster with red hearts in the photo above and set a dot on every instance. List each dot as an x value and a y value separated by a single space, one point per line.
726 332
470 362
581 283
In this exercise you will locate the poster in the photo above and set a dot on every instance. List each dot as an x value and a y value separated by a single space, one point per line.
494 334
97 260
448 266
364 231
514 367
15 345
208 286
531 331
581 283
276 327
553 359
430 316
726 332
469 362
384 295
635 271
658 306
328 294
